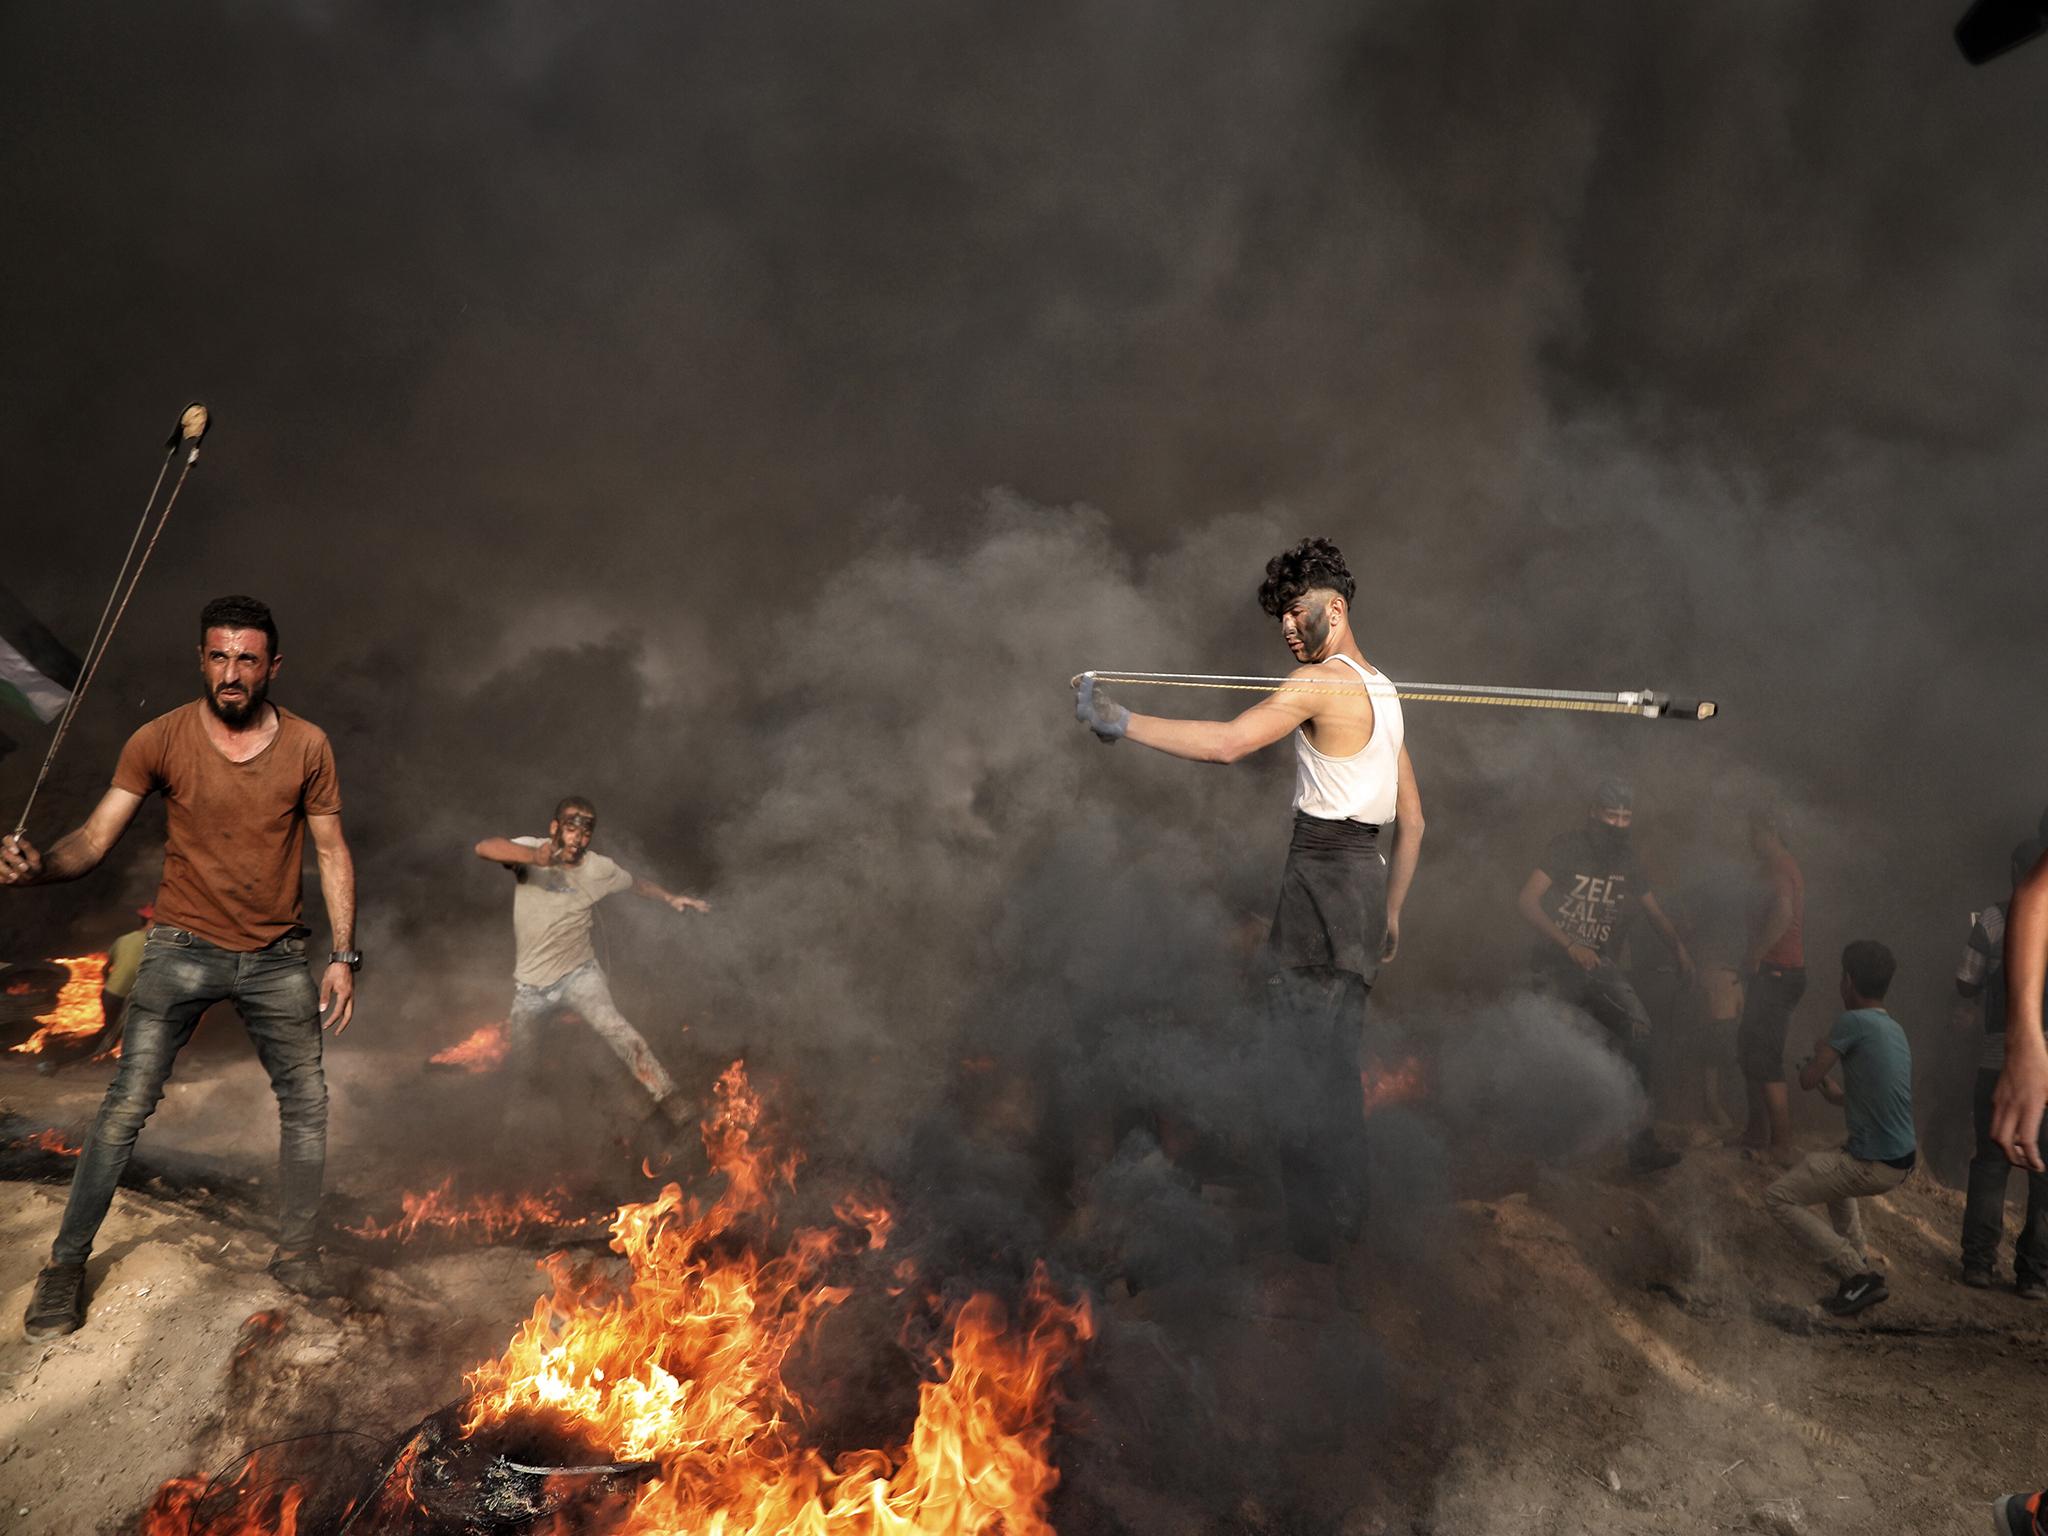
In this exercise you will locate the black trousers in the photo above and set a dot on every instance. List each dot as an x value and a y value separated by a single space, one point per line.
1984 1203
1318 1016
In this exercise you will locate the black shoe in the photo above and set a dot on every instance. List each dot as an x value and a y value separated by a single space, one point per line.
305 1274
2032 1290
58 1305
1856 1293
1654 1158
1977 1279
2010 1515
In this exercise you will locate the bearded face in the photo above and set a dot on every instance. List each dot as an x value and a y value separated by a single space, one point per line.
235 669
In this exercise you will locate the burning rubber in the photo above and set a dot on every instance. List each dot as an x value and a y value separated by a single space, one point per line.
655 1400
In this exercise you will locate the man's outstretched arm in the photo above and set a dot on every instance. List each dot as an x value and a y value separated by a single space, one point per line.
74 854
1200 741
654 892
502 850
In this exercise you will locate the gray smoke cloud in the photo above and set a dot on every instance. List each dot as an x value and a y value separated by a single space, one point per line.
611 401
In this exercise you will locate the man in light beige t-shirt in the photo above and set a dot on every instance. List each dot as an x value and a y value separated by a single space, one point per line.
556 969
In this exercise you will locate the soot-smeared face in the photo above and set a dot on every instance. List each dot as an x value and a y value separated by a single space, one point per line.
1305 625
572 834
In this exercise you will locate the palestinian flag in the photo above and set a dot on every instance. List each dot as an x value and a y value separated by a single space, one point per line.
37 673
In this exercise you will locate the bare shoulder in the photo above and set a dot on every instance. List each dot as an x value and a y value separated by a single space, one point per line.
1324 673
1334 690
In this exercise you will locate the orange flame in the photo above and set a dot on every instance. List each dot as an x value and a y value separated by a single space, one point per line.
683 1368
869 1215
51 1141
253 1504
1400 1084
78 1012
493 1218
483 1051
258 1329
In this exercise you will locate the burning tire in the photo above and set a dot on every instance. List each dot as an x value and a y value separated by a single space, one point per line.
27 992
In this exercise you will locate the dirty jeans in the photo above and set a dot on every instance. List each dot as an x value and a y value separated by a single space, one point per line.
1984 1205
182 975
1608 995
1836 1180
585 993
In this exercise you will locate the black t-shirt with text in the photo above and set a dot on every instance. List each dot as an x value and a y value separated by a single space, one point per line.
1594 888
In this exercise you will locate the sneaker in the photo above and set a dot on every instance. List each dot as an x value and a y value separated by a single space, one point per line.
2032 1290
57 1306
2013 1515
1977 1279
1856 1293
305 1274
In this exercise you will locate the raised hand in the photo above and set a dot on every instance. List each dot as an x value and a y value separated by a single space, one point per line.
20 862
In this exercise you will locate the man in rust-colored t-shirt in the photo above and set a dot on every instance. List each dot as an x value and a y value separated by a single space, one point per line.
235 833
245 781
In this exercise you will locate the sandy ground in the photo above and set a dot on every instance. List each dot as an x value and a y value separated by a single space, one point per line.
1588 1354
1689 1383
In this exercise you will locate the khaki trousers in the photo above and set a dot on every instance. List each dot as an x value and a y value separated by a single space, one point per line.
1836 1180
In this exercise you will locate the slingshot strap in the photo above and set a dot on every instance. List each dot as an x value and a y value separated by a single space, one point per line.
125 581
1644 702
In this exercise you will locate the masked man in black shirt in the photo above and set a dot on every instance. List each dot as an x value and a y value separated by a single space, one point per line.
1581 899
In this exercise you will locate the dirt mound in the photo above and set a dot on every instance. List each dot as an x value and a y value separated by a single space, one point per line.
1650 1358
1587 1354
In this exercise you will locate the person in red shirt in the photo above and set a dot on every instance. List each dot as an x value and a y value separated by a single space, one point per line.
1775 972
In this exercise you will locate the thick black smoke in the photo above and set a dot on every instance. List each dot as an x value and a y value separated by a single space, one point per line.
609 400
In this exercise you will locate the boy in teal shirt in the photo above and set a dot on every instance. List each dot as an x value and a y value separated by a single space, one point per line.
1877 1095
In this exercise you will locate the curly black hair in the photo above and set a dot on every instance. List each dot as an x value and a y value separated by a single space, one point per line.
1311 565
238 612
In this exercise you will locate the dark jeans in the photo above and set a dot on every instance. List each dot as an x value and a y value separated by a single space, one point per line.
1984 1204
1610 997
181 977
1320 1012
1767 1006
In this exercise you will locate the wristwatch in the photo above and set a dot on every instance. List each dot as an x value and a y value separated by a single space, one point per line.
352 958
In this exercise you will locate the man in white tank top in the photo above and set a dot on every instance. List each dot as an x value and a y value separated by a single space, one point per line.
1339 915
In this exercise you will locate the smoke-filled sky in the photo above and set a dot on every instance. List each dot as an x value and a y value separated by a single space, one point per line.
750 415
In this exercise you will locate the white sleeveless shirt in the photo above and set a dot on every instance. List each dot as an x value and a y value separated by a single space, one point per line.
1361 787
